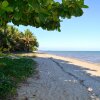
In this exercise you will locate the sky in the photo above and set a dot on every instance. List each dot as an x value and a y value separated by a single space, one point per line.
77 34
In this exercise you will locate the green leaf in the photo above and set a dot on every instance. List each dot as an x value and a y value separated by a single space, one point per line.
42 17
17 16
5 4
59 30
34 4
9 9
85 6
37 19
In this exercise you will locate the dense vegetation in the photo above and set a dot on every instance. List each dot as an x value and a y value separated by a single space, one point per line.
12 40
13 71
46 14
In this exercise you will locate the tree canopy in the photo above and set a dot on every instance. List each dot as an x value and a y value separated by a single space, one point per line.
46 14
15 41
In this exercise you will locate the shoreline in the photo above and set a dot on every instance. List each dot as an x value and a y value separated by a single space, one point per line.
79 62
71 58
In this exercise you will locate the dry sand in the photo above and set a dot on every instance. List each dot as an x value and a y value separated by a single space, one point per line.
61 78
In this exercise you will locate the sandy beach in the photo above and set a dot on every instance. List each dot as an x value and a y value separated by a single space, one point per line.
61 78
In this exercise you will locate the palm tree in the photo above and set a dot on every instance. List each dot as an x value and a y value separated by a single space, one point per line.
29 40
15 36
14 40
4 39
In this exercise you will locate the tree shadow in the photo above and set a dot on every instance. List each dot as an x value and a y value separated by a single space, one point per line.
68 65
79 73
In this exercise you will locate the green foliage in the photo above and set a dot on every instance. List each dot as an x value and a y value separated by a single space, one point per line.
11 40
30 41
46 14
13 71
2 55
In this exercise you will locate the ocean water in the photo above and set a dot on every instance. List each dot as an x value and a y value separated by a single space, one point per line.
89 56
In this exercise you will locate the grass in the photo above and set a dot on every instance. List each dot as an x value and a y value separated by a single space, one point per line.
12 72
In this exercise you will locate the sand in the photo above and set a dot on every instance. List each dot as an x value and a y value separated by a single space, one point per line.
61 78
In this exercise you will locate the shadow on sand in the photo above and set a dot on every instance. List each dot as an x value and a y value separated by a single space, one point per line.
89 81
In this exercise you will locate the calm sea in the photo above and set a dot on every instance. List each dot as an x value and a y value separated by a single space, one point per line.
90 56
